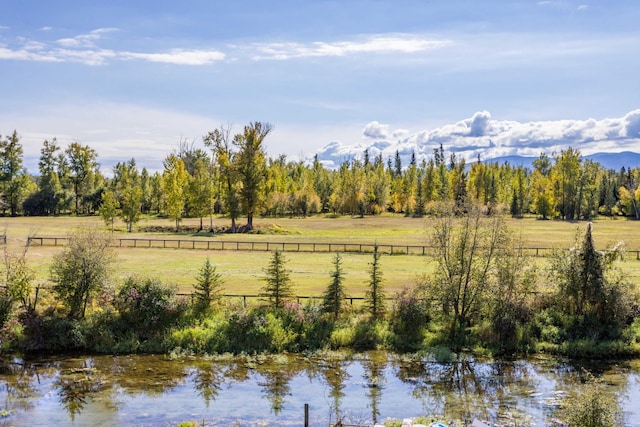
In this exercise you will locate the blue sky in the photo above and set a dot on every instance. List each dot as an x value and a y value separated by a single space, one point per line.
132 78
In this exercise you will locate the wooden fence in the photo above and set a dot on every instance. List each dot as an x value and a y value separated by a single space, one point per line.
266 246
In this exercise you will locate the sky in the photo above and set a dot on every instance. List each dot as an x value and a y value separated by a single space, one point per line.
131 79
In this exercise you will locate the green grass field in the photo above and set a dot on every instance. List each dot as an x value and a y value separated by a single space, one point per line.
243 271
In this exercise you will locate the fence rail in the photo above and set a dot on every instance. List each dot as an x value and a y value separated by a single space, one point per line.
263 246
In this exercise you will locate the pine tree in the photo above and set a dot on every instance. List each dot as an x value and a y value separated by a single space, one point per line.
208 286
277 289
374 297
334 295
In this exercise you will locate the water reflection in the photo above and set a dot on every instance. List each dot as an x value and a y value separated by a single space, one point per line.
150 390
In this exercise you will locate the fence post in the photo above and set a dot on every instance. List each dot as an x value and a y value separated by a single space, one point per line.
306 415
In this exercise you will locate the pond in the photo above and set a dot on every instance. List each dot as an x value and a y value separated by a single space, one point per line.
148 390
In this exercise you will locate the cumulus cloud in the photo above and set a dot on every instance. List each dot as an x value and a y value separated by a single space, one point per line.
375 130
632 124
480 135
479 123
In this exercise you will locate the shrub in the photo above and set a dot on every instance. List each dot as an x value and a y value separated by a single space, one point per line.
408 319
148 306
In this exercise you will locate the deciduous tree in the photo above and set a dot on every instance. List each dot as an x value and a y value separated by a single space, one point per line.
174 183
13 176
250 162
82 270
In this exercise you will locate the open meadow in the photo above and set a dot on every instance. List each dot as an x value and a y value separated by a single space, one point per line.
243 270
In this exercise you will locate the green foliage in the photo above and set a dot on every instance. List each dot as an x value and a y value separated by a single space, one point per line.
335 294
409 317
250 164
591 406
467 249
374 296
310 325
174 180
82 270
81 168
277 289
18 277
109 208
14 179
208 287
255 331
128 189
148 306
589 290
6 306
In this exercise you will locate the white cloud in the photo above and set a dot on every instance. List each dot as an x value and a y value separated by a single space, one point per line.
179 56
481 135
85 40
381 44
479 123
375 130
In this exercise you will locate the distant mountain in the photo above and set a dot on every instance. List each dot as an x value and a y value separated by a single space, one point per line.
615 161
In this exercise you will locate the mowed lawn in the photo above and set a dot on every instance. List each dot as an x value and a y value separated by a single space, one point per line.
310 272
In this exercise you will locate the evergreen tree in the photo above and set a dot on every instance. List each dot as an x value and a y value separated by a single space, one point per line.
374 296
334 294
277 289
208 286
397 171
588 292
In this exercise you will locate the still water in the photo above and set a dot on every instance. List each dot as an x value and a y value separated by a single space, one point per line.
272 390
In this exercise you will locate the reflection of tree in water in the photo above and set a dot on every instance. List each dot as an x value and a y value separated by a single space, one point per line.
152 375
208 380
374 367
568 375
76 385
334 371
277 374
18 378
464 389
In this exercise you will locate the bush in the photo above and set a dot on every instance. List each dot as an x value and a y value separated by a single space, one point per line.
54 334
408 320
311 326
148 306
257 331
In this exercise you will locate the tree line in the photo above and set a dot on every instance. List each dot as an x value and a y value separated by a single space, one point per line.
232 174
